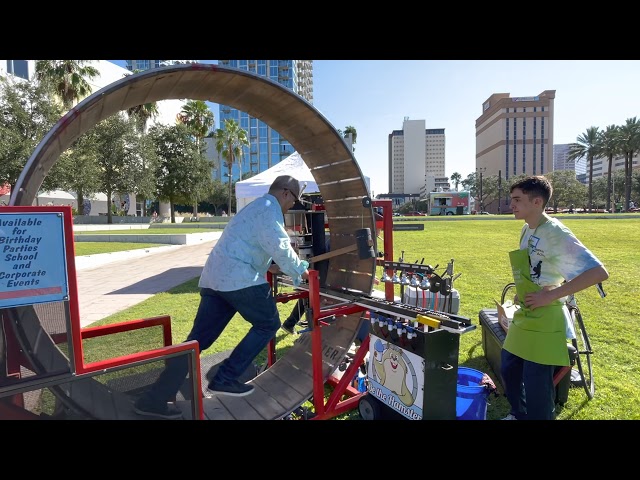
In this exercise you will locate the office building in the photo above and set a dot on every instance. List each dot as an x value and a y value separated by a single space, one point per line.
581 167
561 160
416 157
24 69
267 147
514 135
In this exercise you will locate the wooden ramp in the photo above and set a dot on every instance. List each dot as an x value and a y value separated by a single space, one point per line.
288 383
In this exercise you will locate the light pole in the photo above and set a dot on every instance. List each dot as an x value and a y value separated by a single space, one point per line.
499 192
480 170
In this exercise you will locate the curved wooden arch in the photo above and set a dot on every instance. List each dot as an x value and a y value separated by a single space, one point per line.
289 382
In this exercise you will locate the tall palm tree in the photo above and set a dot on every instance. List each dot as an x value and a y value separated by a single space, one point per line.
587 145
456 178
69 80
610 148
199 119
229 144
630 144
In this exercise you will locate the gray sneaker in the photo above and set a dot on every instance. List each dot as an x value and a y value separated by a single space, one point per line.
233 388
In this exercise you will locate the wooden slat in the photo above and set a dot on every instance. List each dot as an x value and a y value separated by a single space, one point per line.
351 207
239 407
350 262
338 171
214 410
344 189
279 390
262 401
350 225
296 377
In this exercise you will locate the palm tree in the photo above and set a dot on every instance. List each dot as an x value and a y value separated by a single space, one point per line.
630 143
142 113
354 135
69 80
199 119
196 115
229 144
587 145
610 148
456 178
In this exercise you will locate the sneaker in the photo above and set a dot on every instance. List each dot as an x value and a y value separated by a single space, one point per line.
234 388
509 417
287 329
166 411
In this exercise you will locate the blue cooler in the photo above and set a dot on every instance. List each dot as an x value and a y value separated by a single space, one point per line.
471 395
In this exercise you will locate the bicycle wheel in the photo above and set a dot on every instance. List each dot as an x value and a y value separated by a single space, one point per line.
508 290
581 343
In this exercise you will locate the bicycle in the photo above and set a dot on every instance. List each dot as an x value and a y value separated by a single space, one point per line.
580 351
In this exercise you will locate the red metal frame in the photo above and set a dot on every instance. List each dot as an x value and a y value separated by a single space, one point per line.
334 406
78 334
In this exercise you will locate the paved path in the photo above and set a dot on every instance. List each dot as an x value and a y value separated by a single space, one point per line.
112 282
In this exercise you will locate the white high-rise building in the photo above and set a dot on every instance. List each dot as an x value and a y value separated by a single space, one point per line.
415 154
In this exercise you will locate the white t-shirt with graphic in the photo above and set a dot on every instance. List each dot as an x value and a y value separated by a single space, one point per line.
556 255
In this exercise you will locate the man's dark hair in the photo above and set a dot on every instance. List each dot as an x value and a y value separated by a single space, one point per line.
534 186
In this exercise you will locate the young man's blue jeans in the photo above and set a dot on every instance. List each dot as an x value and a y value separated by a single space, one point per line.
216 309
528 387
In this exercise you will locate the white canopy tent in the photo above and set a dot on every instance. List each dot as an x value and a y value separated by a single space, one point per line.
54 197
256 186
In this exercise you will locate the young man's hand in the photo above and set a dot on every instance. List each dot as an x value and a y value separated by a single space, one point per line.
540 298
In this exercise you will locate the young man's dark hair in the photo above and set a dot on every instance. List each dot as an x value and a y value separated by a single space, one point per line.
535 186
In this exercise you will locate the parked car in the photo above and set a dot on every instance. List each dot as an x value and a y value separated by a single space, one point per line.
415 214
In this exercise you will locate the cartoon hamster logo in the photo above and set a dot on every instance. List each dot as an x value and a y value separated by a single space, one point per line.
392 370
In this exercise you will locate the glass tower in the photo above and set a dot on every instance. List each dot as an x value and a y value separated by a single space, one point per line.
267 147
147 64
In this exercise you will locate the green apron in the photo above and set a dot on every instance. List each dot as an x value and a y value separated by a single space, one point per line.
536 335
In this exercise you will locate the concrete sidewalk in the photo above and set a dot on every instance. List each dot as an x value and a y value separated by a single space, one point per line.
109 283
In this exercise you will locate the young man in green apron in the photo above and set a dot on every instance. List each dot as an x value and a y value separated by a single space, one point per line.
550 264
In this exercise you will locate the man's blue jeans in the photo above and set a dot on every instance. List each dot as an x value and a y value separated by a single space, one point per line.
528 387
256 305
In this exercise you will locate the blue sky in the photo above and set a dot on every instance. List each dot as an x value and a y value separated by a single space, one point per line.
376 95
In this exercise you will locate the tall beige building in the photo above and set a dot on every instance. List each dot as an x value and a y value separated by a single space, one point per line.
514 135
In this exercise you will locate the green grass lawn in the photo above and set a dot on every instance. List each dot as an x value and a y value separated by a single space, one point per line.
93 248
148 231
479 250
